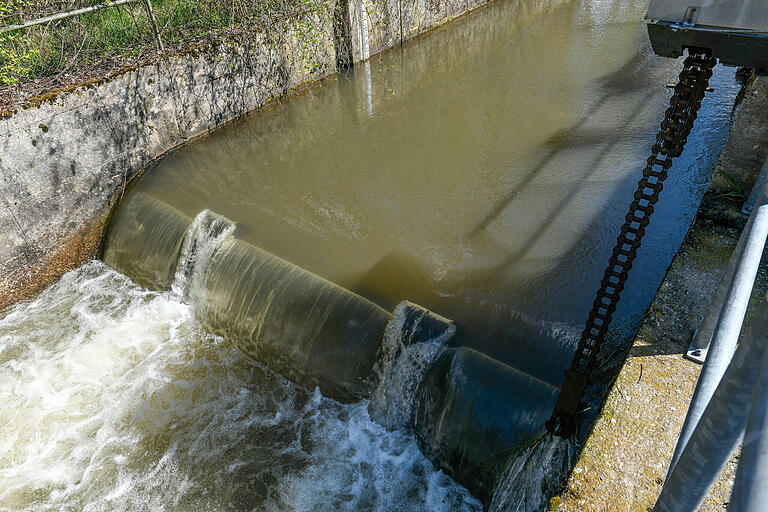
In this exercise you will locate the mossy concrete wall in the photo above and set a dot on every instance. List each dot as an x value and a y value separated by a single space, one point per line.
390 22
65 158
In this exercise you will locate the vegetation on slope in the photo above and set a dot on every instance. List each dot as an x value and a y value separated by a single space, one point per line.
44 57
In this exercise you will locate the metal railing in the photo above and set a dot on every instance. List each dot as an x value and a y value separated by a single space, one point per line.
703 337
731 394
86 10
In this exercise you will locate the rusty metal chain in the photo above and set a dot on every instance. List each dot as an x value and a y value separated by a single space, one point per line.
670 141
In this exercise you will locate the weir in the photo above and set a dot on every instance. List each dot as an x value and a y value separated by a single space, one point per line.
398 239
145 239
471 413
308 329
364 297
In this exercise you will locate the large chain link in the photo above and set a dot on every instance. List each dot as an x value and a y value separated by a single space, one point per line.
670 141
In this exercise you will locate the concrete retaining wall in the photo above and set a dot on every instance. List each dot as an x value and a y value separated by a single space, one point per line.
391 22
64 160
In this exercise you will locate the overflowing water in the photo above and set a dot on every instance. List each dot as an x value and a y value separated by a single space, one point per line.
115 398
203 237
400 369
481 171
534 475
467 410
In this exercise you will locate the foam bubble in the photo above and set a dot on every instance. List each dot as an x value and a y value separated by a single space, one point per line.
114 398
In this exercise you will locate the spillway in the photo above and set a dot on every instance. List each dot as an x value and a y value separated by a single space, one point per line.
116 398
469 412
487 183
364 297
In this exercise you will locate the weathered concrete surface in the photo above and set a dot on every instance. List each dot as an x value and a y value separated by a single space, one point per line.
390 22
63 161
625 459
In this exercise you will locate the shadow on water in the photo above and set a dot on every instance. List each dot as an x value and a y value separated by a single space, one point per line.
627 80
488 182
528 348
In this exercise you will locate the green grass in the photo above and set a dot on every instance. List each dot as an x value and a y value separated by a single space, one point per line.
82 42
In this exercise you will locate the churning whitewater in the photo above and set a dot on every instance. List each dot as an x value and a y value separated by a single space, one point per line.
479 173
115 398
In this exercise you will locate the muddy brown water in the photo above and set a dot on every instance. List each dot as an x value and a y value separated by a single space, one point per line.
483 174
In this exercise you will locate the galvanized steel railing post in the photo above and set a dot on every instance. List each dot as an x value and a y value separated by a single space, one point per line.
720 428
750 491
757 189
730 319
699 348
701 340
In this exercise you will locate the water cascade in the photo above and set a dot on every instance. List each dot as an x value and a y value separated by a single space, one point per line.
469 412
473 414
308 329
344 300
115 398
145 238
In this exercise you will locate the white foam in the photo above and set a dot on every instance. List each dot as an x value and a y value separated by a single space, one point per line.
400 369
114 398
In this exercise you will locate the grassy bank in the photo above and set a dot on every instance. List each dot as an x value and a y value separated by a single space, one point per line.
41 58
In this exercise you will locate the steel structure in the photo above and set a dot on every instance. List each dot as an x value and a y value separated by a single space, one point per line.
735 31
670 141
726 393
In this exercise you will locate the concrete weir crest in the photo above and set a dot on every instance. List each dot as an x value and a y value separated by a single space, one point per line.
470 413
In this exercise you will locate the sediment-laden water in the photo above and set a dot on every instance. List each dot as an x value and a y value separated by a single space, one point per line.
482 171
486 180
